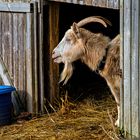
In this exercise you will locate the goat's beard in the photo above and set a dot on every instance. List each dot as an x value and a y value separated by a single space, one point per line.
66 73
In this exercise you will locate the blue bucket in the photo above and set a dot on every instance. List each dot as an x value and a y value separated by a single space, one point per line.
5 104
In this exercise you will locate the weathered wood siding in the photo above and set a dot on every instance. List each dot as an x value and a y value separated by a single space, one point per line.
19 53
53 40
114 4
130 33
10 1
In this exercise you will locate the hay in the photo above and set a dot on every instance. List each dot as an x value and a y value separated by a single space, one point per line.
86 120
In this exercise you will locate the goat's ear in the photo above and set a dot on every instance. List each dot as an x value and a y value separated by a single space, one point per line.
75 29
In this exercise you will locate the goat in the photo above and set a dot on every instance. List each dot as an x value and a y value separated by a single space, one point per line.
96 50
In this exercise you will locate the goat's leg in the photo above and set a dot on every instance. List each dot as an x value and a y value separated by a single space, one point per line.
117 123
116 93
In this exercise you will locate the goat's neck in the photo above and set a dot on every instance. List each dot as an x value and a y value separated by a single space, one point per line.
92 60
94 54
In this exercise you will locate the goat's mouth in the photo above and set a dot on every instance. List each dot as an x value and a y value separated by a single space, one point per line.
57 58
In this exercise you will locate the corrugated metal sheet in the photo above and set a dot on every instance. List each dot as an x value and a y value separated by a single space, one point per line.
130 97
114 4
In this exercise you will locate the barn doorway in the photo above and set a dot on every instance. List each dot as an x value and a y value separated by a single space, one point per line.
87 91
85 82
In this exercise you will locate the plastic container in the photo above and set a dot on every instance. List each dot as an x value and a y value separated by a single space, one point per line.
6 104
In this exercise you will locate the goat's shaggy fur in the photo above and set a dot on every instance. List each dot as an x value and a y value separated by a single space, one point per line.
91 48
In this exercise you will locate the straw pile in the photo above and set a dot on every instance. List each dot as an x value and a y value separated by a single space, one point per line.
86 120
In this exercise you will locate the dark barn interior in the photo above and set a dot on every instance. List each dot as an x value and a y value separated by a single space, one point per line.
84 82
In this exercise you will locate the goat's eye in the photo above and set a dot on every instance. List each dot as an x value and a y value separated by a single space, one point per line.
68 39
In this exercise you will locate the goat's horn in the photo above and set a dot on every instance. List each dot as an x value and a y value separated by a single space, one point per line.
99 19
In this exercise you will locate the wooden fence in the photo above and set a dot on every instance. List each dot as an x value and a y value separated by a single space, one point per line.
19 40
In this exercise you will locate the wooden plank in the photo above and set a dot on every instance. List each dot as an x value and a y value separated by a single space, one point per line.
29 60
127 67
114 4
6 39
3 32
21 59
41 57
16 7
53 41
69 1
110 3
15 50
135 68
122 63
88 2
81 2
16 1
75 1
10 31
35 52
18 60
101 3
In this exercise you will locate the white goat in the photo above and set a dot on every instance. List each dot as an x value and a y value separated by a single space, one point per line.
96 50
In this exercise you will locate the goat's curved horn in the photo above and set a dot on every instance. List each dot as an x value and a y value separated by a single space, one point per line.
99 19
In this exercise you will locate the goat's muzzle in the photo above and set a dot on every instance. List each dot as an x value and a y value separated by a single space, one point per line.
56 57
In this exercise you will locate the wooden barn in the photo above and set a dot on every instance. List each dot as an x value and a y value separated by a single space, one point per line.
29 30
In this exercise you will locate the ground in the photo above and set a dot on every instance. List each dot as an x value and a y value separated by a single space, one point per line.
85 120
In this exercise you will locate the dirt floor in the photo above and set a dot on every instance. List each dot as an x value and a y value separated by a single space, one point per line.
85 120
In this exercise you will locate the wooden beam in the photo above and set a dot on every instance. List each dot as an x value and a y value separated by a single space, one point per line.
127 67
16 7
122 64
53 41
113 4
35 59
41 56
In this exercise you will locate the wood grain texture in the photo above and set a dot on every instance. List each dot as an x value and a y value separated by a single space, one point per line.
135 67
114 4
15 7
41 59
28 62
16 51
122 63
130 31
35 59
53 41
127 67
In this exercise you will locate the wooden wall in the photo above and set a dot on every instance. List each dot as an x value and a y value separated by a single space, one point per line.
130 97
114 4
19 50
15 1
